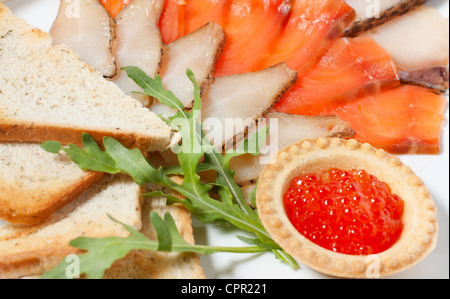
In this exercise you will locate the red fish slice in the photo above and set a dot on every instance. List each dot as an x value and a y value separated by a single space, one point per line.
352 67
113 7
402 120
172 21
310 30
252 26
200 12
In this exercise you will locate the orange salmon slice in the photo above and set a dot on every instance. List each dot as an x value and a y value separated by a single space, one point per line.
310 30
200 12
402 120
113 7
252 26
353 67
172 20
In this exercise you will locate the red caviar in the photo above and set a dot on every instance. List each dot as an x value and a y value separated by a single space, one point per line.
350 212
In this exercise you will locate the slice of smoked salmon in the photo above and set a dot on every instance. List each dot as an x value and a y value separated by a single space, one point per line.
353 67
402 120
200 12
252 26
310 30
172 20
113 7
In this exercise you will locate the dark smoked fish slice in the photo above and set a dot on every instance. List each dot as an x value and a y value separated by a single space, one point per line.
435 78
418 43
364 23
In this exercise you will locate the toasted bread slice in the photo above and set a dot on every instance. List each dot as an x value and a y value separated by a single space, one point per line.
33 250
34 183
140 264
48 93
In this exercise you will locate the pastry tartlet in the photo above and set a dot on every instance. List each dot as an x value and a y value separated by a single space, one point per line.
419 217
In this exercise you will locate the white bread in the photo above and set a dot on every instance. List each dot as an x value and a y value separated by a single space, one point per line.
33 250
48 93
29 252
35 183
140 264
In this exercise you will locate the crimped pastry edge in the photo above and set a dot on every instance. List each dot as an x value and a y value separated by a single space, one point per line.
419 235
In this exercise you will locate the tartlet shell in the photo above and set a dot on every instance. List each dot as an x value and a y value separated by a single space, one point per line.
419 234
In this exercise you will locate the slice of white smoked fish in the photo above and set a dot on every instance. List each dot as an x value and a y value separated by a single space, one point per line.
372 13
197 51
284 130
418 42
138 42
234 103
86 27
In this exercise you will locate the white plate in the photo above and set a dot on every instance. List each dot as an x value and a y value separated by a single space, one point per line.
433 169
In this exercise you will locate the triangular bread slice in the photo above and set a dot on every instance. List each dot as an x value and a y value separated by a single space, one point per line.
33 250
48 93
141 264
35 183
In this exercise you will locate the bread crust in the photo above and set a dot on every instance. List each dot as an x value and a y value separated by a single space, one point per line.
12 130
33 263
77 82
22 206
141 264
30 251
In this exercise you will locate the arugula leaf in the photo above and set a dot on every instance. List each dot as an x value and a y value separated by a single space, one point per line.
102 252
91 158
225 175
52 146
195 154
130 161
153 87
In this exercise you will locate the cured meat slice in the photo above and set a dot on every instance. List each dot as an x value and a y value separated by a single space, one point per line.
351 68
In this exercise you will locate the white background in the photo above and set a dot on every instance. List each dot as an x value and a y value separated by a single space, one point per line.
434 170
